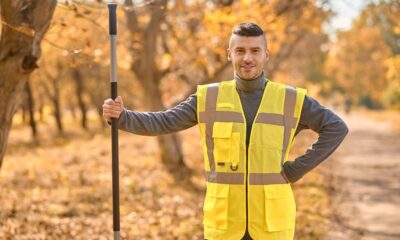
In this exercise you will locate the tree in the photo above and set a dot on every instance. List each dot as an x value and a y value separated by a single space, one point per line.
30 105
145 68
24 24
357 65
50 84
383 15
358 62
392 92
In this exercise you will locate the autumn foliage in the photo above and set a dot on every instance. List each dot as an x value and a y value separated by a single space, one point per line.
363 62
55 180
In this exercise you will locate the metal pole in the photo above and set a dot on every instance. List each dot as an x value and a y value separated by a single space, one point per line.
114 121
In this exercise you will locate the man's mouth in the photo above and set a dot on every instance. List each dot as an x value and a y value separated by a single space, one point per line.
247 67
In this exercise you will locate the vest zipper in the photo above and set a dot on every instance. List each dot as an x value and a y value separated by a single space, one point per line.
247 150
247 204
247 165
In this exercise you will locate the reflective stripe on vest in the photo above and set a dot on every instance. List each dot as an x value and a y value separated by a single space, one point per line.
238 178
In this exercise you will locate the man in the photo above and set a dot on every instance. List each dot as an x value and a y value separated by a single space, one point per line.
247 126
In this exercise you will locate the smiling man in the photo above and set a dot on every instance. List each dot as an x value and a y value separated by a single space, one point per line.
247 126
248 53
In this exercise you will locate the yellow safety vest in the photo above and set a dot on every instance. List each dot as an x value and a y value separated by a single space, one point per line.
271 206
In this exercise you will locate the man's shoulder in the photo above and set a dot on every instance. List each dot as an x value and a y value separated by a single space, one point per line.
284 85
207 85
281 87
216 84
224 84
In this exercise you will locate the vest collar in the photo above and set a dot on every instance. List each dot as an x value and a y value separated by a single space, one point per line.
253 85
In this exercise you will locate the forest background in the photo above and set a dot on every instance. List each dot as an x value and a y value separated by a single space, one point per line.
55 153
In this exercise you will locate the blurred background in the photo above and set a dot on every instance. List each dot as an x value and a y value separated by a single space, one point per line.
55 147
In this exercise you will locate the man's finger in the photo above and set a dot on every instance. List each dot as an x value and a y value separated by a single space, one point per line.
113 107
112 112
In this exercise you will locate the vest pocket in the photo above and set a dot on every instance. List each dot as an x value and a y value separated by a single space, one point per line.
222 134
215 206
280 207
226 144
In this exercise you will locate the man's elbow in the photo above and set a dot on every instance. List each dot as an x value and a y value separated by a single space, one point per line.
344 129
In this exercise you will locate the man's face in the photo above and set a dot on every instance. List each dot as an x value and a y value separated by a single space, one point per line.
248 56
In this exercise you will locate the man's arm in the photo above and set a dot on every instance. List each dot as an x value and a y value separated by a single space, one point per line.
171 120
331 129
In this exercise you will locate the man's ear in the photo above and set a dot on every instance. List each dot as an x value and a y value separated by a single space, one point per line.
228 55
267 54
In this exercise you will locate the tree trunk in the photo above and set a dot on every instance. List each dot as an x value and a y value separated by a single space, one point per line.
57 114
23 25
31 109
101 119
170 144
23 109
71 108
79 88
53 93
55 98
145 68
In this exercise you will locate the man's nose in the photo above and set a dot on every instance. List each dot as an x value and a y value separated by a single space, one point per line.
247 57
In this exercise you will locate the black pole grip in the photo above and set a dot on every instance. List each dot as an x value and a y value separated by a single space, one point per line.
112 10
114 90
115 174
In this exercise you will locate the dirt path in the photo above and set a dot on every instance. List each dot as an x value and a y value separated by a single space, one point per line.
366 182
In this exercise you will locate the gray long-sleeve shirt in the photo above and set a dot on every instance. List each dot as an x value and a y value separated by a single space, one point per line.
327 124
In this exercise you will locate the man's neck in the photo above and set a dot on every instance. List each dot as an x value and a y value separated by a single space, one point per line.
251 85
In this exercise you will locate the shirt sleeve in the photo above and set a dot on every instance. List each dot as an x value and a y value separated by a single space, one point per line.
331 131
178 118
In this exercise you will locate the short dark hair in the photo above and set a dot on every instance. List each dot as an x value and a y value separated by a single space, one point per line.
248 29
